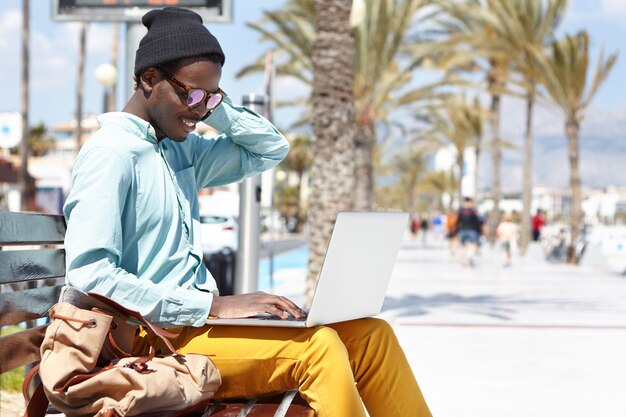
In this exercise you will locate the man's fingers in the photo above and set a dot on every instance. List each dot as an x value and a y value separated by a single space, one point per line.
291 307
282 305
274 309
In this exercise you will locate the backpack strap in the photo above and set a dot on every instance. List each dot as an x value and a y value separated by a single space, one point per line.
38 403
162 334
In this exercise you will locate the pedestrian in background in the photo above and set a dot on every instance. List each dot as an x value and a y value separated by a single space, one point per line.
538 221
451 231
414 226
507 234
424 225
469 226
438 226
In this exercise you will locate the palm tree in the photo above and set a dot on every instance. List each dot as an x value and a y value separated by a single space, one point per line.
456 123
383 69
467 44
409 168
565 78
299 161
382 38
39 141
333 127
527 26
440 183
476 116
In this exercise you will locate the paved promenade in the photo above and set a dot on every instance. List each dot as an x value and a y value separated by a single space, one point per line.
536 339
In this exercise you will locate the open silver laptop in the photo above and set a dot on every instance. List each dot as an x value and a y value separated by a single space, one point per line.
355 274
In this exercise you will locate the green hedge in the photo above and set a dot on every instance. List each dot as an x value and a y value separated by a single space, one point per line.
13 379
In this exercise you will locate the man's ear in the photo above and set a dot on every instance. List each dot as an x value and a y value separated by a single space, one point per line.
148 78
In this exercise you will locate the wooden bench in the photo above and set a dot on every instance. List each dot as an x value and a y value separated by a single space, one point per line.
32 268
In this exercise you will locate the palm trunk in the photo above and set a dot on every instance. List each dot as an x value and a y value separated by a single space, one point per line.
333 126
441 206
112 97
411 193
80 84
476 174
527 188
300 213
572 130
363 172
459 164
24 178
496 157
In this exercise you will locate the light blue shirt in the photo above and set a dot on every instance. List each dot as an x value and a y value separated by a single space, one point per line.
133 228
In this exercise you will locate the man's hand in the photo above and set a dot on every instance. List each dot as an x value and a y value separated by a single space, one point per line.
246 305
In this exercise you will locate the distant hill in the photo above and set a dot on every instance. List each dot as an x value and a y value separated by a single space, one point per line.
602 163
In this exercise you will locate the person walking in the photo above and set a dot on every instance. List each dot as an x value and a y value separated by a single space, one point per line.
469 225
538 221
424 226
452 231
507 234
133 234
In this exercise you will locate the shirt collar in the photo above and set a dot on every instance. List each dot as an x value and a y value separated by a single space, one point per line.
131 123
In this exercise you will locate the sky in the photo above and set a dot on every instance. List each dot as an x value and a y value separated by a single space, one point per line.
54 49
54 52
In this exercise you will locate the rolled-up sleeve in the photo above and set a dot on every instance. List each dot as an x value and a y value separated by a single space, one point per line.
94 244
248 144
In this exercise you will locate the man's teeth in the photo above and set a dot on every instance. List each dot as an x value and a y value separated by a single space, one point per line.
189 123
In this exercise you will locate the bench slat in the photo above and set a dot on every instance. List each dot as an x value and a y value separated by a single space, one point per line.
17 307
287 404
30 228
259 410
268 410
20 348
26 265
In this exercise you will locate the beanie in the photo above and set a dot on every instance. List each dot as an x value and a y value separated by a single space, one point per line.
174 34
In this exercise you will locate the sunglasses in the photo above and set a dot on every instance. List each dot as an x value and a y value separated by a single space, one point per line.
195 96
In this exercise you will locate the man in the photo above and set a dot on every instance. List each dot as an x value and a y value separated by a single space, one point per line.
538 222
507 234
424 224
468 224
133 235
451 231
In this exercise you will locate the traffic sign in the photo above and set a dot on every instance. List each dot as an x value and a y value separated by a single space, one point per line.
10 129
212 11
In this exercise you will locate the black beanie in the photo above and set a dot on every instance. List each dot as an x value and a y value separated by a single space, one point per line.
173 34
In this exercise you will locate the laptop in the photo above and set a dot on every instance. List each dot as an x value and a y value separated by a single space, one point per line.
355 274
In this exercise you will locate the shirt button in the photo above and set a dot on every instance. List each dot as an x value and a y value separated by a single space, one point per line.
192 320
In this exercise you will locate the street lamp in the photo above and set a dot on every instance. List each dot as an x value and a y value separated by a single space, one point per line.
106 75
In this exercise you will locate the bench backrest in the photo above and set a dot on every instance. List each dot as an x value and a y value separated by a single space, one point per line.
32 267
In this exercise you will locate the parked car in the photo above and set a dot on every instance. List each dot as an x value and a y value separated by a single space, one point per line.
219 234
218 231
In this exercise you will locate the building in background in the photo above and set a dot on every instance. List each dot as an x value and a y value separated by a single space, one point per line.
445 159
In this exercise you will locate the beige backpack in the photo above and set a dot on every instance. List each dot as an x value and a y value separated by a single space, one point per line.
86 369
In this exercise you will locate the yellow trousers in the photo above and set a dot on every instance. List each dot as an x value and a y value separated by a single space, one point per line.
337 368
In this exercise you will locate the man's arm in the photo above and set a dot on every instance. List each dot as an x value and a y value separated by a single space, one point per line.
249 144
94 244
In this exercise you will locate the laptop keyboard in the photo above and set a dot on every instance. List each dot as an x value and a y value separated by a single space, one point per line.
276 317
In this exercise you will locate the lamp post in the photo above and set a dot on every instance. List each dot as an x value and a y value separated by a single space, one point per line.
106 75
247 262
